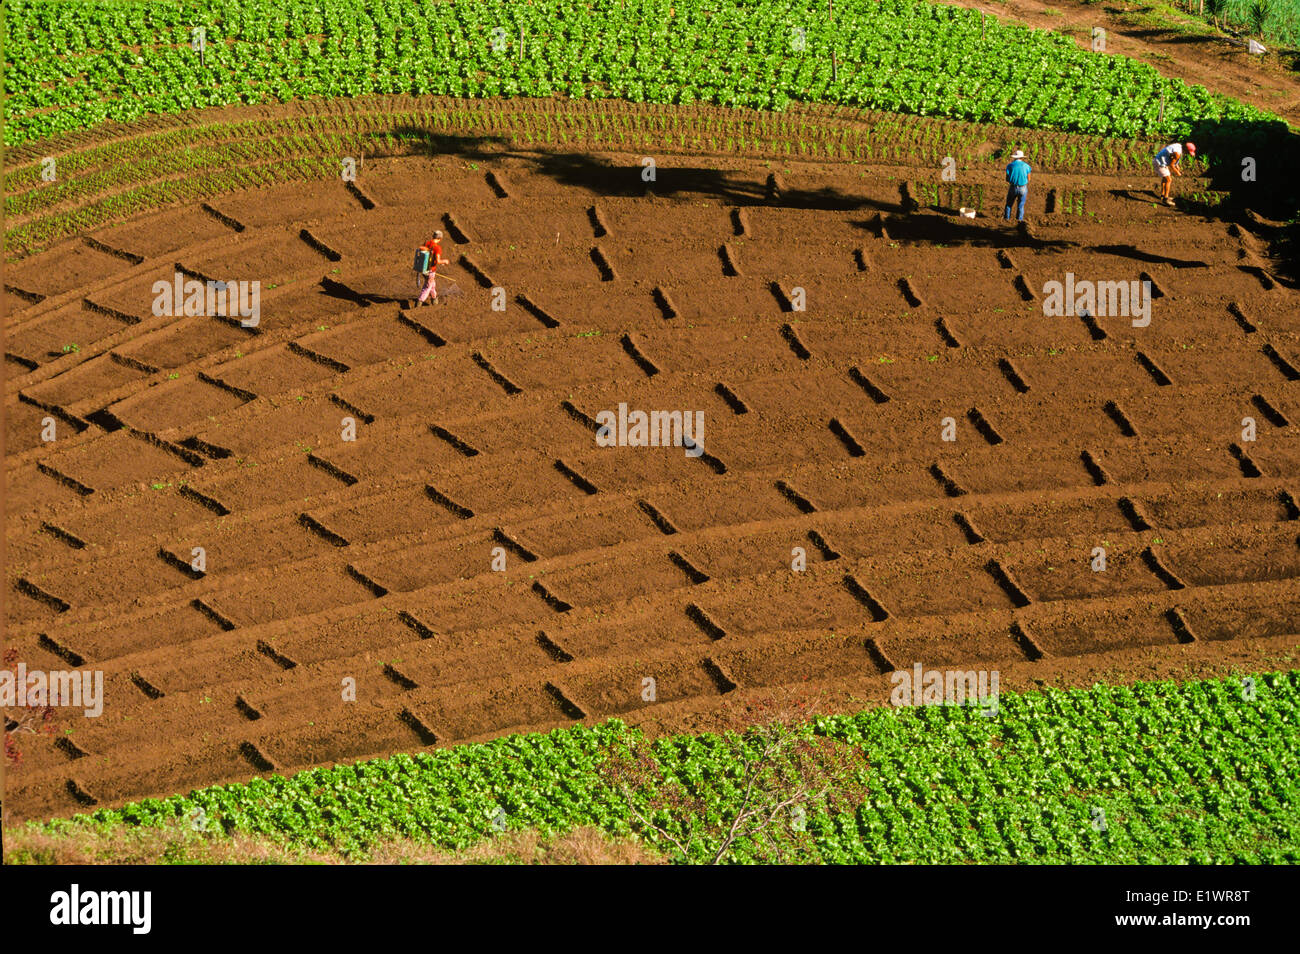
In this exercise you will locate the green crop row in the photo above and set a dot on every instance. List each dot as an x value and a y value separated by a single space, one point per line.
101 183
73 64
1200 772
42 232
164 164
866 135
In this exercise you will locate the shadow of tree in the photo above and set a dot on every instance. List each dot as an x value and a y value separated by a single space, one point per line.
601 177
1230 151
1132 251
932 228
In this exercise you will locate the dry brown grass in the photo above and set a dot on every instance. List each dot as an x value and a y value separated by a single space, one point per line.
157 846
582 846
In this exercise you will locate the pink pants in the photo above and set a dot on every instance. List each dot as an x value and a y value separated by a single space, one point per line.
430 287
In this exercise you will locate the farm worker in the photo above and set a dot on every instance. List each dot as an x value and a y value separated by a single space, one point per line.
423 260
1166 161
427 259
1017 186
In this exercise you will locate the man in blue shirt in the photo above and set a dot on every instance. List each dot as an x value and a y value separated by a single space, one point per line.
1018 185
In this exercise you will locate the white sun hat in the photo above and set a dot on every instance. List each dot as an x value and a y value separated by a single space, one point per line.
1017 155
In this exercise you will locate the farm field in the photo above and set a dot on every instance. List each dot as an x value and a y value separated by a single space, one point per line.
121 62
371 559
344 527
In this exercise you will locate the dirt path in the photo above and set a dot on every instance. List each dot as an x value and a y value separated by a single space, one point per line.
1209 61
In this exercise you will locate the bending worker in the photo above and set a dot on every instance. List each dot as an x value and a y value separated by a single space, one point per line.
1165 162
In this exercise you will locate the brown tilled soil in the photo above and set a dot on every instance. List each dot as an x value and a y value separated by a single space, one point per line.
372 560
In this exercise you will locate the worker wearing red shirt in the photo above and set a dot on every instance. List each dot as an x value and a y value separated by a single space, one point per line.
432 259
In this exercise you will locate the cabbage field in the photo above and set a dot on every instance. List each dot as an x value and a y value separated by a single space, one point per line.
72 64
1157 773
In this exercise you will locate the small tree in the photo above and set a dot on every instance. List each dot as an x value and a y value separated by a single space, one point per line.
1215 8
784 773
19 719
1258 13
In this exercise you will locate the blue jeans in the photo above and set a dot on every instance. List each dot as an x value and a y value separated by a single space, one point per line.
1015 193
